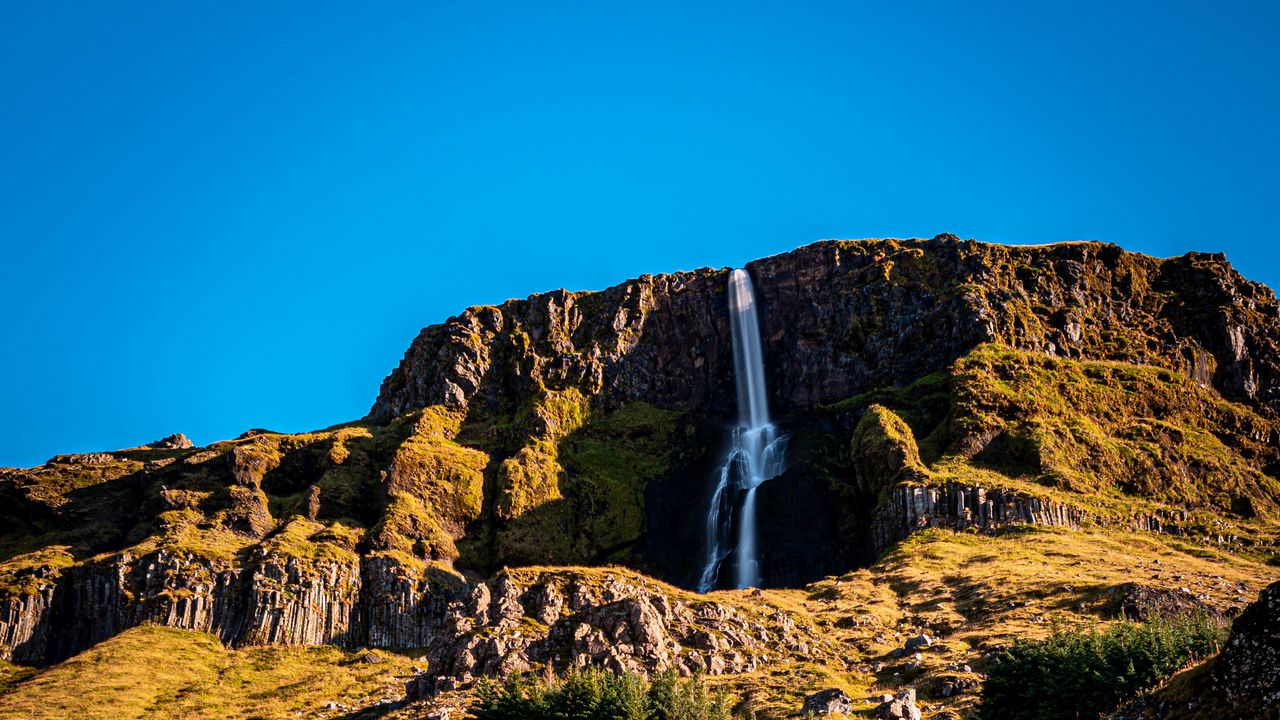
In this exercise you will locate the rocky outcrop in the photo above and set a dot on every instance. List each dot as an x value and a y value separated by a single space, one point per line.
24 625
176 441
274 599
884 453
403 606
832 701
843 317
901 706
567 619
1139 602
959 507
1247 672
291 602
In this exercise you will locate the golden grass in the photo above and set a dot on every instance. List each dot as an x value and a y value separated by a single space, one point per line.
154 672
975 593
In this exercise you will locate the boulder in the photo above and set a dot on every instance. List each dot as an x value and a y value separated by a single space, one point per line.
899 707
827 702
919 642
176 441
1143 602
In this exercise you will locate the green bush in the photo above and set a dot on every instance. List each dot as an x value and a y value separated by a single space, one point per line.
597 695
1078 674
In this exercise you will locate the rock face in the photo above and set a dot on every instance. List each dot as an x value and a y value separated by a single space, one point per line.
564 429
24 625
1247 672
844 317
274 600
960 507
612 619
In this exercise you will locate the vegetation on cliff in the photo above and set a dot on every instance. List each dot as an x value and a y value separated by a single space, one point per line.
1041 425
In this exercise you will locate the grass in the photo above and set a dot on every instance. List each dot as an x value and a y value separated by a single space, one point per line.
17 575
154 672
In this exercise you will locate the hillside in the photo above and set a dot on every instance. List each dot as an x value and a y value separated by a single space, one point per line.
982 441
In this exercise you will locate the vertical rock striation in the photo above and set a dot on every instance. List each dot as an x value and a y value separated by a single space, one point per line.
961 507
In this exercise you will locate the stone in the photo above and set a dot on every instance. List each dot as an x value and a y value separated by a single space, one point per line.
1143 602
176 441
827 702
918 642
901 706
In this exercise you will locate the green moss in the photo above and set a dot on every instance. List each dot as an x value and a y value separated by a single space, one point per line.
583 495
532 476
408 526
313 542
20 575
1094 426
883 452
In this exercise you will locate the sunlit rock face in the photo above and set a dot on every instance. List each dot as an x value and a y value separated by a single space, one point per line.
843 317
837 319
914 381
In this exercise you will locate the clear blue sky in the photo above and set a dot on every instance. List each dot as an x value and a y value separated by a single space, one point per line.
217 216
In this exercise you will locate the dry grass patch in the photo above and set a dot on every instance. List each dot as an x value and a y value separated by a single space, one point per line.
154 672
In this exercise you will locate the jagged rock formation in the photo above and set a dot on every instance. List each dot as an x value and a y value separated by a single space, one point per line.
276 599
617 620
961 507
844 317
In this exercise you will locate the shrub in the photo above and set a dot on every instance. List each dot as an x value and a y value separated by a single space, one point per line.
597 695
1078 674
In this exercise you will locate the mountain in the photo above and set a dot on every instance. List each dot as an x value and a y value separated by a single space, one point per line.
980 440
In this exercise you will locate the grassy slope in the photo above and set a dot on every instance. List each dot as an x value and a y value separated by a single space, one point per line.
154 672
976 593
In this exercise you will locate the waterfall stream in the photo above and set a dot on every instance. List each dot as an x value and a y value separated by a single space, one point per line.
755 451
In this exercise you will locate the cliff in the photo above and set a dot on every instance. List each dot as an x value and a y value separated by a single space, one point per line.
844 317
922 384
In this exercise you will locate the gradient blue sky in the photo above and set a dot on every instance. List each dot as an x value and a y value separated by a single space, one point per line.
225 215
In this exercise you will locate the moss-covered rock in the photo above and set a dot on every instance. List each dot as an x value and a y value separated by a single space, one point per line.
884 453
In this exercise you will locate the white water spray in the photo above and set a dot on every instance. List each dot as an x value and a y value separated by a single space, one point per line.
755 453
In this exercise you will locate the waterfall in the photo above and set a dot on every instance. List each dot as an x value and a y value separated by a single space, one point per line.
755 450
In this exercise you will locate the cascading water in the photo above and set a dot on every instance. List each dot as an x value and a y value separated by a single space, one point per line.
755 451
